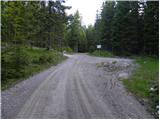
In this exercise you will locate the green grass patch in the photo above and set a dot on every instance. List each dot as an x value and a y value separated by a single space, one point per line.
145 78
102 53
20 63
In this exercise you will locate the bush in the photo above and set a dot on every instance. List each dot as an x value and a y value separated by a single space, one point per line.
102 53
144 83
91 49
24 58
154 98
20 62
43 59
51 57
14 62
68 49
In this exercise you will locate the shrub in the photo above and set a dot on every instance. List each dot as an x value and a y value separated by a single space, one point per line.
91 49
102 53
67 49
43 58
19 62
154 98
144 83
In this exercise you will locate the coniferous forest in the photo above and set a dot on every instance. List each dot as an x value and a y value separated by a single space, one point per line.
34 34
124 28
128 28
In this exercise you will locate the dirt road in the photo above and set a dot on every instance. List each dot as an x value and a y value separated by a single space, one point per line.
81 87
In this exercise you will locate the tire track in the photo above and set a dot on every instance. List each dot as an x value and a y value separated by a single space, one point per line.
76 89
34 104
89 102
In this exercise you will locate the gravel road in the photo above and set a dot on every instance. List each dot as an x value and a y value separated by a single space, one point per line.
80 87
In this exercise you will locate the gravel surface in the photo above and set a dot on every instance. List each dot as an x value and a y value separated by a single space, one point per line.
81 87
14 98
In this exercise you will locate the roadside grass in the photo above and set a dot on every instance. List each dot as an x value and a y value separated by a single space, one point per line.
102 53
30 61
144 83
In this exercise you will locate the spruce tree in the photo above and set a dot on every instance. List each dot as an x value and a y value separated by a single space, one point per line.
151 31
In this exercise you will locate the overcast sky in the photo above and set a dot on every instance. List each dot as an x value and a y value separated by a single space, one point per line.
86 8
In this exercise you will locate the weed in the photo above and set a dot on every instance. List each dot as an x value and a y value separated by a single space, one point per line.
145 78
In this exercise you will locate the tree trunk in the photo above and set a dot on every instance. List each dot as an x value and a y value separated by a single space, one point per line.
49 29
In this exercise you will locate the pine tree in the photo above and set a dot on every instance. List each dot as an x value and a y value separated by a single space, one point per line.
151 25
118 29
91 41
125 28
107 17
74 32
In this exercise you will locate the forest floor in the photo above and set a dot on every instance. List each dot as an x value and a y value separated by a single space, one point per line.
80 87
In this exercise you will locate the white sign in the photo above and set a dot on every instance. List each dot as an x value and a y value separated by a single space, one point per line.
98 46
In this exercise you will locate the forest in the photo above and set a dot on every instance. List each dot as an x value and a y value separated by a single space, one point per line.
34 35
128 28
124 28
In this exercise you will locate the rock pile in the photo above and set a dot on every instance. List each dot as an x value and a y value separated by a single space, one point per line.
120 69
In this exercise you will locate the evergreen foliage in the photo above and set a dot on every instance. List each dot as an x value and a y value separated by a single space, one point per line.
128 27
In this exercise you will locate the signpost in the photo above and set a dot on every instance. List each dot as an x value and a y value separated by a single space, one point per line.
99 47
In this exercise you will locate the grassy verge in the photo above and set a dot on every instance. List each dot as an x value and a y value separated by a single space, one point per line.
20 63
102 53
144 83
